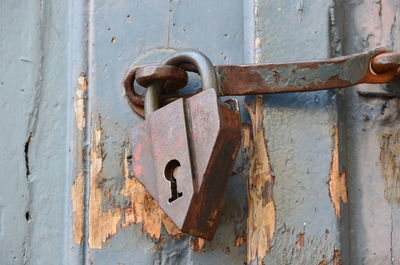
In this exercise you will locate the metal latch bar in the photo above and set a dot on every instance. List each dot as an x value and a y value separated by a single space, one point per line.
376 66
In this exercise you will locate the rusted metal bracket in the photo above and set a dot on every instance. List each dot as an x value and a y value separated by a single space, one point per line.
377 66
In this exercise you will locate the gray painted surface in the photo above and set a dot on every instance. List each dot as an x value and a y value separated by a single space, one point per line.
374 219
34 102
298 129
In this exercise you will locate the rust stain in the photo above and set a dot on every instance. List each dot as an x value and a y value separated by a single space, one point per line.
80 101
240 240
300 241
337 180
102 224
77 192
390 165
261 213
197 244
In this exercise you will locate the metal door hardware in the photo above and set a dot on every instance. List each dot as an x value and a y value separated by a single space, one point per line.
377 66
184 152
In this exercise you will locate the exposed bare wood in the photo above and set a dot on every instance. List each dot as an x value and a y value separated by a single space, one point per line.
300 241
335 260
246 128
197 244
337 180
390 165
102 224
240 240
143 208
79 103
77 192
261 213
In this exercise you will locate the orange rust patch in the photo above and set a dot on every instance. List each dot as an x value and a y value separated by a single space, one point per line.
240 240
77 192
300 241
337 180
261 213
197 244
390 165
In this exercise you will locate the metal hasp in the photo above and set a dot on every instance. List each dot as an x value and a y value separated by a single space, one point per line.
183 153
374 67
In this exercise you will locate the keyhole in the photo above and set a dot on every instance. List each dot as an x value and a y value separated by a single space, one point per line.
170 174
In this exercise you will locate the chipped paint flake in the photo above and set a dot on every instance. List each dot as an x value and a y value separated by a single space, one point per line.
246 135
80 102
300 241
337 179
390 165
240 240
144 209
77 192
197 244
261 213
102 224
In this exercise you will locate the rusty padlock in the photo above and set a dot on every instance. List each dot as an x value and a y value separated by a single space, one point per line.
184 152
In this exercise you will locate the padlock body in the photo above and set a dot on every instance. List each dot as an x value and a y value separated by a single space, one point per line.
203 135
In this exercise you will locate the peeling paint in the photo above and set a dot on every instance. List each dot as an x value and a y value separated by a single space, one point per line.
335 260
142 207
80 101
261 213
300 241
390 165
102 224
77 195
197 244
240 240
337 179
246 135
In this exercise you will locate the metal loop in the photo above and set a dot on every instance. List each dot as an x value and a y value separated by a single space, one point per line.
386 62
383 68
193 57
134 100
200 61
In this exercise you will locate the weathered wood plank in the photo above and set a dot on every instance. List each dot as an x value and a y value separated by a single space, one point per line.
121 31
34 198
300 131
372 129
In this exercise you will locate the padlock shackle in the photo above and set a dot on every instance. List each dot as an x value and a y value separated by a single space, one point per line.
201 62
203 66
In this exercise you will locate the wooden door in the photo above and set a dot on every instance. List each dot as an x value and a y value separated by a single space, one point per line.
316 180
